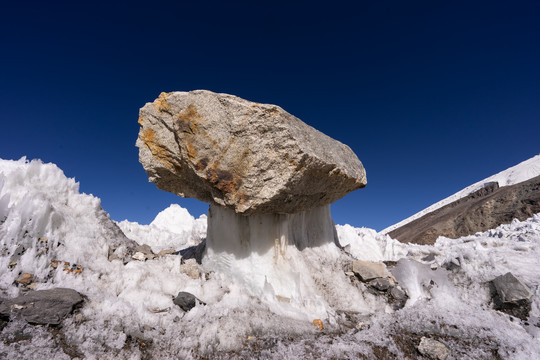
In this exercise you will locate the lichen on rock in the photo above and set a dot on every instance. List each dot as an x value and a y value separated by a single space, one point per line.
250 157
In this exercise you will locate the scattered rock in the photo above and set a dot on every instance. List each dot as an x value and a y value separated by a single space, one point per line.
318 323
76 269
32 286
159 310
111 255
190 268
283 299
186 301
429 258
146 250
25 279
433 349
42 307
397 298
511 296
368 270
19 251
139 256
194 252
250 157
165 252
452 264
379 281
398 294
79 318
381 284
124 249
67 267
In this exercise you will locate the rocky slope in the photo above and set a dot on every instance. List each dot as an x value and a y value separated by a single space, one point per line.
482 210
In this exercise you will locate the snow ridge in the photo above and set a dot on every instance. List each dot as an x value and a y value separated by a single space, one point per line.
523 171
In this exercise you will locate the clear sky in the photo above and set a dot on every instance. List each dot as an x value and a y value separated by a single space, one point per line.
431 95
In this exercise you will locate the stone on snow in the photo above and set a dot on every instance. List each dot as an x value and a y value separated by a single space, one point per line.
42 307
369 270
186 301
433 349
510 295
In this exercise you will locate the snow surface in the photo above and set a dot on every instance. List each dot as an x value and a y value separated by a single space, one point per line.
134 300
173 228
523 171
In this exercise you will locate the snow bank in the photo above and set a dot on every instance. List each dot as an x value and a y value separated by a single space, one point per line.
523 171
173 228
367 244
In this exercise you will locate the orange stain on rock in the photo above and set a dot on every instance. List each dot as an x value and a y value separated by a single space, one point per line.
158 151
161 105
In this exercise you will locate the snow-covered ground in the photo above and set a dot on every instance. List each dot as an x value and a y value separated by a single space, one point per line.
521 172
43 212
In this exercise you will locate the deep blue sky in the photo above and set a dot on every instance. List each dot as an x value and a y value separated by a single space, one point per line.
432 96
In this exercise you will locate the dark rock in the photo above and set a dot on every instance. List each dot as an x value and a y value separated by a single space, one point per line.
194 252
482 210
511 296
43 307
381 284
398 293
452 264
186 301
397 298
429 258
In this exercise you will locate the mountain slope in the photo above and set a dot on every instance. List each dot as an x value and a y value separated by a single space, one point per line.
523 171
482 210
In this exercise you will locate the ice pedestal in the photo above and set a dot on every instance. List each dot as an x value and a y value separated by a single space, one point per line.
271 254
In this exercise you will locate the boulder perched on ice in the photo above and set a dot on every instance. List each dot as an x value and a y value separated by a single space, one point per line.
250 157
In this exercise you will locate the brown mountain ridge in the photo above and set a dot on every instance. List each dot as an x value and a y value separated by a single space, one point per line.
482 210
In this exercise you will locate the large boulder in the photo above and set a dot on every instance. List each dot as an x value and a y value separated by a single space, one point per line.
42 307
250 157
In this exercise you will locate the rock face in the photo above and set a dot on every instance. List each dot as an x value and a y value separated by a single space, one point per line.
250 157
482 210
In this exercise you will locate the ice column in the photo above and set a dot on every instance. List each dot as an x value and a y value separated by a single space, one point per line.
269 250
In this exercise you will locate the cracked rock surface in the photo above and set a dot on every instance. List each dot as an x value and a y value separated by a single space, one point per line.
250 157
